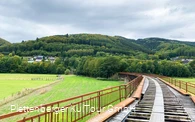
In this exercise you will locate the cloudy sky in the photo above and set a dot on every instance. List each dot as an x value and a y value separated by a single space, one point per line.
28 19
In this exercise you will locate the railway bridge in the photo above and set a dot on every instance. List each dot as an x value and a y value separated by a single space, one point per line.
156 101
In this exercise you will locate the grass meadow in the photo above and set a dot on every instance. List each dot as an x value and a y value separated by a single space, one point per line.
191 80
11 84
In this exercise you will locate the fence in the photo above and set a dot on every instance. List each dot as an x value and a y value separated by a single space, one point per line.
188 87
79 107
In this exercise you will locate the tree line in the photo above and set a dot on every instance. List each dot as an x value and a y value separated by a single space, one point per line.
96 66
108 66
16 64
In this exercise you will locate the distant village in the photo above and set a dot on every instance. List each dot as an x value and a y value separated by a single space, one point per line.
183 60
40 58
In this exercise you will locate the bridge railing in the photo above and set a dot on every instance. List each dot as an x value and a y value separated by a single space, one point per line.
186 86
77 108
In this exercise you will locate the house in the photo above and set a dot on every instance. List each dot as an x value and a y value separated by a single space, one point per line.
39 58
185 61
30 60
51 59
175 58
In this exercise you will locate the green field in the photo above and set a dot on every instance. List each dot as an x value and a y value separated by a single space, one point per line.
69 87
191 80
13 83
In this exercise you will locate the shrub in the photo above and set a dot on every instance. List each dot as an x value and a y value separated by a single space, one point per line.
67 72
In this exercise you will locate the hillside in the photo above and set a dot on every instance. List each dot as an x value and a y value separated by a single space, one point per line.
3 42
166 48
156 43
100 45
77 44
98 55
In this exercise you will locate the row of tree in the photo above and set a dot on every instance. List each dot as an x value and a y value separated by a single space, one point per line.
15 64
108 66
96 66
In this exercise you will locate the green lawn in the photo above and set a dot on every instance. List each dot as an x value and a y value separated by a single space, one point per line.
71 86
191 80
13 83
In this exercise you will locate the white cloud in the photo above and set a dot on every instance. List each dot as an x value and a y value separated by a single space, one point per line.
28 19
17 29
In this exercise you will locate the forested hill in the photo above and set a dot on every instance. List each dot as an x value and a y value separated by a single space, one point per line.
168 48
3 42
99 45
156 43
76 44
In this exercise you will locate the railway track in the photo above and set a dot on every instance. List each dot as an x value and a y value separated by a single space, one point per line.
159 104
173 109
143 109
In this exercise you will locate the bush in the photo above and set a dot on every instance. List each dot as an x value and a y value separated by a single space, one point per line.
67 72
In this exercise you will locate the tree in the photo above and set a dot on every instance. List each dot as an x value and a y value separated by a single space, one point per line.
192 65
123 65
1 56
37 39
60 69
67 35
10 54
109 67
67 72
58 61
